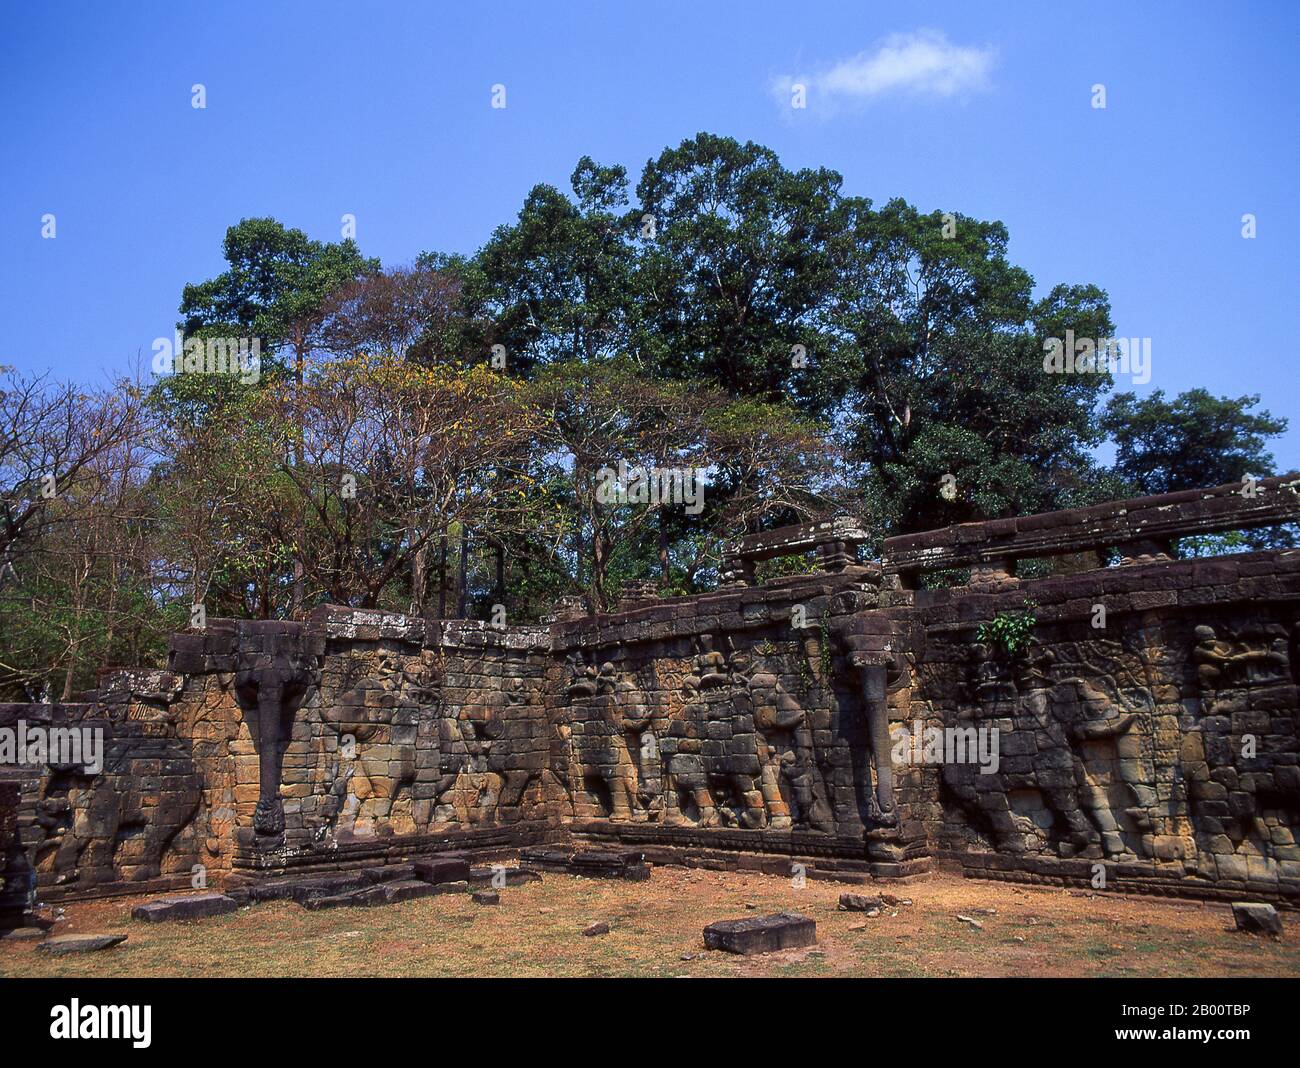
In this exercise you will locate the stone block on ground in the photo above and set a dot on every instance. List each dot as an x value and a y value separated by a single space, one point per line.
80 943
409 890
860 903
389 873
338 886
485 897
511 876
1256 917
442 869
370 895
185 907
761 934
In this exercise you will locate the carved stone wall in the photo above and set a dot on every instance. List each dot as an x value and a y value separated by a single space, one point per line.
1149 733
1160 747
136 821
732 727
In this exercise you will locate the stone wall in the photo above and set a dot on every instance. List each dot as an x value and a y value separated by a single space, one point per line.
1146 739
1149 732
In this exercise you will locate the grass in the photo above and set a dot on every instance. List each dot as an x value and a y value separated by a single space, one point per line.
537 931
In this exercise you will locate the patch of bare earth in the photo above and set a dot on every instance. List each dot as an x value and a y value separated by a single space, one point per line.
655 930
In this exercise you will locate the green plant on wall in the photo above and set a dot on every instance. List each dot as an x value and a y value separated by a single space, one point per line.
1011 631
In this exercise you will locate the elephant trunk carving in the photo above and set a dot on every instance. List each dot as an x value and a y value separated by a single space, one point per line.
870 644
874 685
275 675
268 817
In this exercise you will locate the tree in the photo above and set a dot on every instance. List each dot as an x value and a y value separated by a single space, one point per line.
738 256
558 280
275 288
77 583
392 455
1195 440
942 347
52 436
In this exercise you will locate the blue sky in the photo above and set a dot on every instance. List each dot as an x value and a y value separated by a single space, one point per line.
383 111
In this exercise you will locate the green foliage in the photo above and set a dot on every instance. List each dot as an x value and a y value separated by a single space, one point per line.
1194 440
1010 631
807 349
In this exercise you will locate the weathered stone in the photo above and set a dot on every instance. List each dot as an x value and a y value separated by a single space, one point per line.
442 869
485 897
596 929
80 943
750 727
1256 917
859 903
409 890
185 907
761 934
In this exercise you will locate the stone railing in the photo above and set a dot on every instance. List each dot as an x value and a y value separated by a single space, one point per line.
835 541
1141 529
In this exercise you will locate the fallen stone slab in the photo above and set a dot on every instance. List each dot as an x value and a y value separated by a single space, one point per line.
762 934
389 873
596 929
442 870
546 858
80 943
23 934
591 863
339 886
1256 917
371 895
185 907
485 897
860 903
493 877
409 890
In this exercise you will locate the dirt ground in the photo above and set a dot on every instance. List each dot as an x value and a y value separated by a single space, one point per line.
655 930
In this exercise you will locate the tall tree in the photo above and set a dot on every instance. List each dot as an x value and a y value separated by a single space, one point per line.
558 279
738 257
275 288
1192 441
941 343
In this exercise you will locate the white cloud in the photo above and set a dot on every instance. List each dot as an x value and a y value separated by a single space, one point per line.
924 63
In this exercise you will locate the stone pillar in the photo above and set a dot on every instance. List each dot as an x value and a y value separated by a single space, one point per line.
870 645
637 593
874 700
735 571
995 572
834 556
268 817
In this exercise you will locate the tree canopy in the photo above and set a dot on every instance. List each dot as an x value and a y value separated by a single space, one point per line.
439 437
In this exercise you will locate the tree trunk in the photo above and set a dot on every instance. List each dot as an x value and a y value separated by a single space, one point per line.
442 576
665 570
419 579
463 577
299 572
